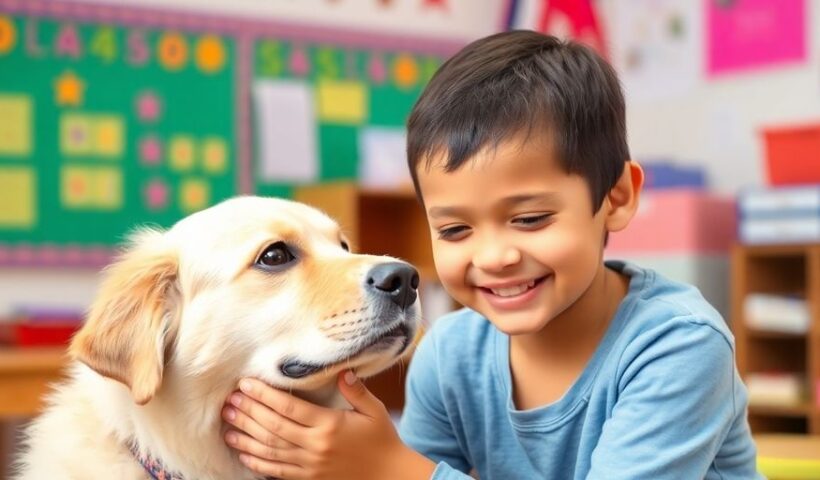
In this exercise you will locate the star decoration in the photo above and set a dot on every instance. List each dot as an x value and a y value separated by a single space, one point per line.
148 106
156 194
150 150
69 89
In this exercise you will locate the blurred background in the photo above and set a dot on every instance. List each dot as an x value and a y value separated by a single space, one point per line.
117 113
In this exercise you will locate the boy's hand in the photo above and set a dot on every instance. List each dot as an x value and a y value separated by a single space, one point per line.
289 438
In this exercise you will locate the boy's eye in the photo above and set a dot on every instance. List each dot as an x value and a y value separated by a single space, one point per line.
532 220
452 233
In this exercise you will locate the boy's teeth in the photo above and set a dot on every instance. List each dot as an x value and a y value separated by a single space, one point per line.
513 291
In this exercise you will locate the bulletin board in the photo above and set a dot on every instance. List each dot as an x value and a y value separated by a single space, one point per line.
334 108
113 117
105 126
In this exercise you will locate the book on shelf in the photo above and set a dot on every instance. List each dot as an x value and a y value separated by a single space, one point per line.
776 313
798 201
776 215
778 389
800 229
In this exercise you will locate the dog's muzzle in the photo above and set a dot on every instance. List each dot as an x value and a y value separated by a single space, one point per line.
394 288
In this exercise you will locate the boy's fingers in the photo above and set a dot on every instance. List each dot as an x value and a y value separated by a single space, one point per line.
283 403
359 397
253 429
249 445
283 471
263 423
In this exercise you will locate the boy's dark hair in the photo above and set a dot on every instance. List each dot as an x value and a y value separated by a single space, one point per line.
513 82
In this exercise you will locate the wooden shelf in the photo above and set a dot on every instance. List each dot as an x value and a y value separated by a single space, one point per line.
798 410
770 335
779 269
784 250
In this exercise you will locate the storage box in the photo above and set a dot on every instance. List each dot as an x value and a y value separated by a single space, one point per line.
685 235
31 327
793 154
678 221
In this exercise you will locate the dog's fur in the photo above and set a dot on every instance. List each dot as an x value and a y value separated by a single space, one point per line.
184 314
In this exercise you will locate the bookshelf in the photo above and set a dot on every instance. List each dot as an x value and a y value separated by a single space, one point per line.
378 222
779 269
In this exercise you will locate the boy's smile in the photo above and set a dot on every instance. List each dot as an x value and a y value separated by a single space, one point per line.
515 237
512 295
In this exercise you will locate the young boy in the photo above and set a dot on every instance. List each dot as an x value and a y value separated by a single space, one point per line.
562 366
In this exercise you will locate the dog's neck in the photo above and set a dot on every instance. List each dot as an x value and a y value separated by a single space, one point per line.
327 396
203 427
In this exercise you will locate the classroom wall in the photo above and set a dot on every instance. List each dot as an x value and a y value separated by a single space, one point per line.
709 122
47 288
452 19
715 123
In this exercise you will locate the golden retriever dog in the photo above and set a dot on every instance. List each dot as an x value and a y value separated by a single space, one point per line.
253 286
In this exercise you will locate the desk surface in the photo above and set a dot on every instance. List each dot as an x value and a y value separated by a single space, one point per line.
792 457
30 359
25 374
803 447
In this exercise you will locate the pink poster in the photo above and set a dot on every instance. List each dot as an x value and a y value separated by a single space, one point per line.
747 34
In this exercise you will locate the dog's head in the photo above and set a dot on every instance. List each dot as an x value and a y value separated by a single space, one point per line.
250 287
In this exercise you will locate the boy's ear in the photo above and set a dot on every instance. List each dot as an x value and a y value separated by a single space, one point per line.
622 199
133 318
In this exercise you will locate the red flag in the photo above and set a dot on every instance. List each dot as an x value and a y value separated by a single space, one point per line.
582 19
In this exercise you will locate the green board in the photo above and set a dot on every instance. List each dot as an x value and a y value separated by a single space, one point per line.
105 126
349 91
113 117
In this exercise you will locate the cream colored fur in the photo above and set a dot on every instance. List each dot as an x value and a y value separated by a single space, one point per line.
184 314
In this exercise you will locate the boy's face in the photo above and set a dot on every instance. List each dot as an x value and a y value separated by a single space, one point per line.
514 237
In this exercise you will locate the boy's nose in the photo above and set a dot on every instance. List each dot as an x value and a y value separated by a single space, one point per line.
495 256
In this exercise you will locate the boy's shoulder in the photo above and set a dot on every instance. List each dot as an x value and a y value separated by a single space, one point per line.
656 302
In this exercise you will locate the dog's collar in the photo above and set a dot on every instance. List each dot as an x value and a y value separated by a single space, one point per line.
152 465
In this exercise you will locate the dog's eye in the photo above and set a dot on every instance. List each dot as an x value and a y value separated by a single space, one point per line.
345 246
275 255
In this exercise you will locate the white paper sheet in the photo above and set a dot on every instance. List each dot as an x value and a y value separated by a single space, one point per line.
286 131
383 160
657 47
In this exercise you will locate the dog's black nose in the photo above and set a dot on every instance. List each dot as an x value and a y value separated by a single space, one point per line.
397 280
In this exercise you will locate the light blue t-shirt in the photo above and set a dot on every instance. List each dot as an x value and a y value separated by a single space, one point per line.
659 399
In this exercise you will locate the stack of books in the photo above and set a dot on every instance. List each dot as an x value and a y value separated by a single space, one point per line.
778 215
776 389
777 313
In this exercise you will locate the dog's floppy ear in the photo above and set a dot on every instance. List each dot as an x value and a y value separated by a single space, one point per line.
127 330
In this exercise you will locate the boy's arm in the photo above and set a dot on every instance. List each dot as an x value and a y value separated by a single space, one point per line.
680 400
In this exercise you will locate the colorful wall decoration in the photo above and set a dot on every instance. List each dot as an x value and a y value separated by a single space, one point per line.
316 106
105 126
749 34
111 117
